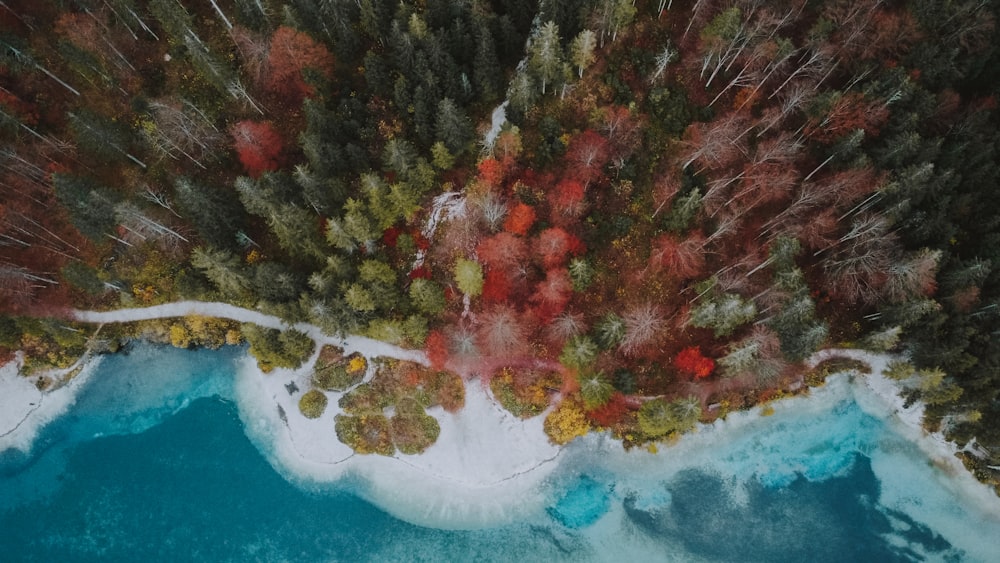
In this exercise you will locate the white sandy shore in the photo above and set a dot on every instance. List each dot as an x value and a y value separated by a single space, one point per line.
888 394
881 397
24 410
487 467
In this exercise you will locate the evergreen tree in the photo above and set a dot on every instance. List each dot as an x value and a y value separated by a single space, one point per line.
582 50
427 296
90 206
225 270
487 75
213 212
545 57
723 314
452 127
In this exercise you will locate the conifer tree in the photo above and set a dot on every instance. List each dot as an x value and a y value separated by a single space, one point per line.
582 50
452 127
90 206
545 56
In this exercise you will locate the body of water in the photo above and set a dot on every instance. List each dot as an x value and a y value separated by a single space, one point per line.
153 463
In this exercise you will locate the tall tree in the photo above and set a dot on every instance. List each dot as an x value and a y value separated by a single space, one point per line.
545 57
582 50
292 56
452 127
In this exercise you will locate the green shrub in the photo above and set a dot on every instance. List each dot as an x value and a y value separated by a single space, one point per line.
365 434
312 404
414 432
527 394
276 349
334 373
365 399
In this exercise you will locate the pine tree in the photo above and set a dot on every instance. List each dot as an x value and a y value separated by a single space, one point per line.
223 269
610 330
214 212
452 127
545 57
427 296
595 390
579 352
90 206
487 75
582 50
723 314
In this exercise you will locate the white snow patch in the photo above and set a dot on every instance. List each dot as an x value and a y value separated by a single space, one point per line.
498 119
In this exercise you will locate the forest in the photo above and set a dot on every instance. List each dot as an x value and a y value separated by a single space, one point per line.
685 200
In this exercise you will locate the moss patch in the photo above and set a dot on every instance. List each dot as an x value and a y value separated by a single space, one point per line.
334 372
366 434
312 404
413 433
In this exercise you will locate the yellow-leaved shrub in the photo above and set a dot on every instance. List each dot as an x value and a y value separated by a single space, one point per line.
566 422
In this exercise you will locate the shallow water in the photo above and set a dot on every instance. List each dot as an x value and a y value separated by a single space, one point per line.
153 462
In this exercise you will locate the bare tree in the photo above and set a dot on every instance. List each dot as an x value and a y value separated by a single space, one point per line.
642 324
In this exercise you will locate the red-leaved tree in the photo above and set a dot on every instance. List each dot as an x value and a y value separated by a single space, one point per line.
502 332
612 412
586 155
258 145
502 250
691 362
682 258
566 200
623 132
553 247
436 346
497 286
847 114
290 54
552 294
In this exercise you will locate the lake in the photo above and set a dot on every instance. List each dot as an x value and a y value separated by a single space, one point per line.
154 462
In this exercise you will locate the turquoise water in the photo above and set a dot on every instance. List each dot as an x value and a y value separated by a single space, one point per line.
153 464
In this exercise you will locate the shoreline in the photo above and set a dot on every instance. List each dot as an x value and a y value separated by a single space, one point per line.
482 456
25 410
487 467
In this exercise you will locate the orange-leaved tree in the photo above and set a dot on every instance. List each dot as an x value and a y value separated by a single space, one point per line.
691 362
520 218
